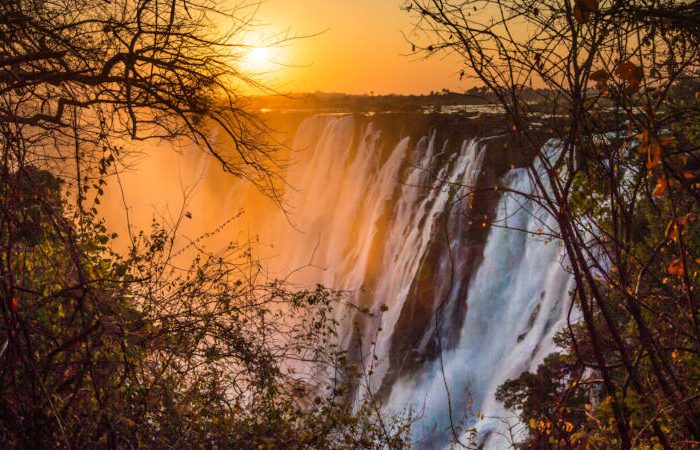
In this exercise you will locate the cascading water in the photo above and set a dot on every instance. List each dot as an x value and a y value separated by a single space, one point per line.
384 217
461 298
516 302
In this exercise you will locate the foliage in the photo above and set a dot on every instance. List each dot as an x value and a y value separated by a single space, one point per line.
620 99
549 399
136 349
101 350
79 78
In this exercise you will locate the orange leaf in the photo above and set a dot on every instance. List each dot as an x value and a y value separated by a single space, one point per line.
652 163
676 267
580 14
667 142
624 70
591 5
654 154
583 10
630 73
643 139
636 76
685 220
601 76
661 187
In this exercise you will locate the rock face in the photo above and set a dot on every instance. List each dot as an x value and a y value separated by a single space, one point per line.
436 306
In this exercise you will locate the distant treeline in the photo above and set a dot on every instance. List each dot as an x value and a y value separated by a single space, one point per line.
394 102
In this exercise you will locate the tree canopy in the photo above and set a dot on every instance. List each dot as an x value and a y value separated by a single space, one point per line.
104 349
619 111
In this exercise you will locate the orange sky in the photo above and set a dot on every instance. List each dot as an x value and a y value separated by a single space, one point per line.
358 51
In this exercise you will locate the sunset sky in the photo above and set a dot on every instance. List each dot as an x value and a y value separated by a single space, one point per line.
358 49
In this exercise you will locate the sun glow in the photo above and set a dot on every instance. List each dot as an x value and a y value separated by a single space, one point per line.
259 59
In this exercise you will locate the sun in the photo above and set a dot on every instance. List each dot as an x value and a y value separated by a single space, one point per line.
259 55
259 59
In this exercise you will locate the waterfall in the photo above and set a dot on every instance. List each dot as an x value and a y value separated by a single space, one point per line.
516 303
389 221
461 298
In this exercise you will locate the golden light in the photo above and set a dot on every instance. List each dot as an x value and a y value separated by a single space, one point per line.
264 56
259 55
259 59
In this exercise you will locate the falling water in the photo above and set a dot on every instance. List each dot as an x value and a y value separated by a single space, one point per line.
516 302
382 215
462 298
